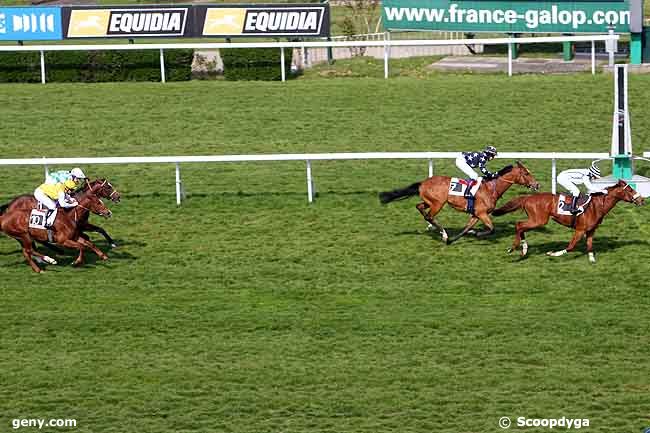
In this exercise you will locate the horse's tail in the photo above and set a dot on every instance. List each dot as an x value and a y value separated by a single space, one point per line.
511 206
3 208
400 193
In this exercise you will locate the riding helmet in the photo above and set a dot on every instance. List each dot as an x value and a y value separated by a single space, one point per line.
491 150
594 170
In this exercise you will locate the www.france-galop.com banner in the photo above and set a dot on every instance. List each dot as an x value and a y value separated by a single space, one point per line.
506 17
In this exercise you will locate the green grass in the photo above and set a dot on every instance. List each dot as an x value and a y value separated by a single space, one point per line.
248 310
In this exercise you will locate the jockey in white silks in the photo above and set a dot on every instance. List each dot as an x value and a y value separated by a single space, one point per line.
570 179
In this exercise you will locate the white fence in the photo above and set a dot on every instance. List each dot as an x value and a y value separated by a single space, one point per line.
306 157
386 44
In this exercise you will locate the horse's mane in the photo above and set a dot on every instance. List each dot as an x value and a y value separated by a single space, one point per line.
505 170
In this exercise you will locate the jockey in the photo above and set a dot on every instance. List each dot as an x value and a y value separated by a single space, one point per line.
51 195
467 161
569 179
75 175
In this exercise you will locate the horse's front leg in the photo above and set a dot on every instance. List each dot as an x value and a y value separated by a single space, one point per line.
590 245
69 243
471 223
93 228
485 219
576 237
88 244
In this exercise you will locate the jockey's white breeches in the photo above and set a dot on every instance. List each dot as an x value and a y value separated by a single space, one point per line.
465 168
43 198
565 180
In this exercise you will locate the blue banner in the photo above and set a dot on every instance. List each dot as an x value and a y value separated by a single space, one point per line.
30 24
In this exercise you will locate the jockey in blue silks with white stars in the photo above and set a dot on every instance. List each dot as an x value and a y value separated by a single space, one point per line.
467 161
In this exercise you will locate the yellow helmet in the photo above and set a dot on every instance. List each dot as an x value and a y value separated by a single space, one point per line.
70 184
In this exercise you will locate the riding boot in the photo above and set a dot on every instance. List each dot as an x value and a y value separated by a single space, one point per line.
47 224
574 205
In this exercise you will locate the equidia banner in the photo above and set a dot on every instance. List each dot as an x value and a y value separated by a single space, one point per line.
507 17
29 24
196 21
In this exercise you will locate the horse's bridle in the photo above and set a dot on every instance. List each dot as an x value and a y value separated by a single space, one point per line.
636 195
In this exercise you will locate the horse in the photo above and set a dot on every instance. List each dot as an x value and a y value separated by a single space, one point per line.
540 207
102 188
66 231
434 193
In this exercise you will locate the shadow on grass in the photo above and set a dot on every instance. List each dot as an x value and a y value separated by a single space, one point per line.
501 230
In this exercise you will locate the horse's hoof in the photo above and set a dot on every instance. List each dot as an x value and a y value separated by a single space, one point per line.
113 245
592 258
472 232
104 257
49 260
445 237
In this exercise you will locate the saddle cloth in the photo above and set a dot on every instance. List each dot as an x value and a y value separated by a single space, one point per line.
564 204
457 186
37 217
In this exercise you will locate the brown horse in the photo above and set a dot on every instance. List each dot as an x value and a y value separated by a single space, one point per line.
540 207
102 188
66 231
434 193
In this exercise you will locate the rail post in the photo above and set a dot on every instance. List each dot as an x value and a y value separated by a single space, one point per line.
162 65
47 171
593 57
553 175
430 167
386 54
178 184
509 59
42 67
310 183
282 64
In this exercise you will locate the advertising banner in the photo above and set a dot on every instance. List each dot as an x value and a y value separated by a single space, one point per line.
126 22
30 24
507 17
196 21
263 20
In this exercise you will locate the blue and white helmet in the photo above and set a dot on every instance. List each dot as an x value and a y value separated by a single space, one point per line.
594 171
491 150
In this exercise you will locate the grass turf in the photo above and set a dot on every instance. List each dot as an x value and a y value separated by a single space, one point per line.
248 310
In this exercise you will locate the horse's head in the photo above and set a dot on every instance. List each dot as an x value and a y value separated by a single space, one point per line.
103 188
89 200
520 175
623 191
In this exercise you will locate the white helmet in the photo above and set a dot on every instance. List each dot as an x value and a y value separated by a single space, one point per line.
76 172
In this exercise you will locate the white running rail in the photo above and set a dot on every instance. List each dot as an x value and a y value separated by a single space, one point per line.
387 43
306 157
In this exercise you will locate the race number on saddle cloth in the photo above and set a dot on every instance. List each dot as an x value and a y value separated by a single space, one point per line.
49 196
570 179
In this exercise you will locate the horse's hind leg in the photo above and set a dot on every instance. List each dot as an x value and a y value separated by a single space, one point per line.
590 245
26 243
429 216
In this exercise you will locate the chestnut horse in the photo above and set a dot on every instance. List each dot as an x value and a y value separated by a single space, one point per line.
102 188
434 193
540 207
66 230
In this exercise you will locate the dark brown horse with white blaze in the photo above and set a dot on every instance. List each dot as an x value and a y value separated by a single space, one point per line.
434 193
66 229
540 207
